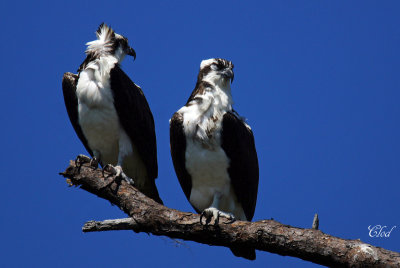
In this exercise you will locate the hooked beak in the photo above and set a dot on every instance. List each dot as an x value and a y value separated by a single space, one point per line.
131 52
228 73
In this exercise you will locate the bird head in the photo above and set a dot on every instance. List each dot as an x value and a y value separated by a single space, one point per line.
109 43
218 71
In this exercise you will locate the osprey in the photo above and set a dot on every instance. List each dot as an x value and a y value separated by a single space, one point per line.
213 150
110 113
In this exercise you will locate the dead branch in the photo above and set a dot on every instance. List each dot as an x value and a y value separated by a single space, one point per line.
266 235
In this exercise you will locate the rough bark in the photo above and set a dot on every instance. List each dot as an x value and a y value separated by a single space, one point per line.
266 235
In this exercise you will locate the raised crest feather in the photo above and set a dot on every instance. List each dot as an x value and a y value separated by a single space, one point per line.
105 42
105 32
99 29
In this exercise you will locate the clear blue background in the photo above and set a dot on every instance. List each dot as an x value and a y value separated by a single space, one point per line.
317 80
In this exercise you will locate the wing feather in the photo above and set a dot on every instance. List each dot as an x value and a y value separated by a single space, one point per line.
135 117
69 83
238 143
178 149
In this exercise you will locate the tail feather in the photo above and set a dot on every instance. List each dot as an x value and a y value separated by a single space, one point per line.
152 192
156 197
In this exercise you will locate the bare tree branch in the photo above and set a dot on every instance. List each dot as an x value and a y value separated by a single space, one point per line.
266 235
110 225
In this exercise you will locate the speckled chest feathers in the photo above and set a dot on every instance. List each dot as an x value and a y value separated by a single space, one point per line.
203 114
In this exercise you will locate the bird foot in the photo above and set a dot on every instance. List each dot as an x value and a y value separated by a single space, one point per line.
118 172
210 213
82 159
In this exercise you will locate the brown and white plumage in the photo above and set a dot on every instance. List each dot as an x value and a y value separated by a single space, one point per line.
213 150
110 113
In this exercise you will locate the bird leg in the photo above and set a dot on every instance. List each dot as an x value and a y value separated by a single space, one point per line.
82 159
124 149
117 170
214 212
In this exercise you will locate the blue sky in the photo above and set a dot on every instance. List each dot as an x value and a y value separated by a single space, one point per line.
317 80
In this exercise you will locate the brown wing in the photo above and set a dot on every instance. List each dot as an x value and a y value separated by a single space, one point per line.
135 117
238 143
178 149
69 83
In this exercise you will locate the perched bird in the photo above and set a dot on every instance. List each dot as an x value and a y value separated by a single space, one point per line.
110 113
213 150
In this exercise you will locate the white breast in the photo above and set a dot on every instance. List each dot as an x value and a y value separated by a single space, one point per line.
206 161
208 169
97 115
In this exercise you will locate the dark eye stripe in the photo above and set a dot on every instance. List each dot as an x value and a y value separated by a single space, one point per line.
222 63
123 42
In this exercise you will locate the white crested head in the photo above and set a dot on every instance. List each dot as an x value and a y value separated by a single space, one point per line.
105 43
204 63
109 43
209 101
216 71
